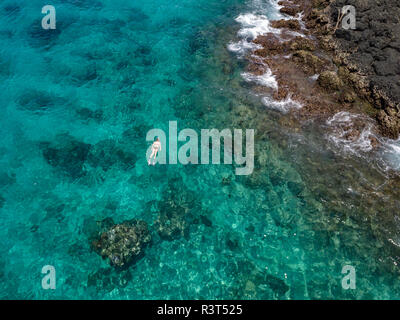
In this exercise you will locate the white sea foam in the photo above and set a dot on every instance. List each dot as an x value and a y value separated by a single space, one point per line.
386 156
283 106
252 26
391 154
342 124
242 47
267 79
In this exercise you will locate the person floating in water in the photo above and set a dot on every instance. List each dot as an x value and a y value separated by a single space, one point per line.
154 150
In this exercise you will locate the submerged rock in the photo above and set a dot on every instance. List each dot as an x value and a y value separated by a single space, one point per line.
7 179
254 283
329 80
290 10
176 211
122 243
88 114
389 124
108 153
68 156
107 279
39 101
309 62
41 38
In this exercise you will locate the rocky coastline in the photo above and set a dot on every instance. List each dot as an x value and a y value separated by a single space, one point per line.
327 69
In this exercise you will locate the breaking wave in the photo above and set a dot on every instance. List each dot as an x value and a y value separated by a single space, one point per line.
283 106
355 134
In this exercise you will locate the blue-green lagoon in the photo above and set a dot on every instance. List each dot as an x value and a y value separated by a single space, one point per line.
77 103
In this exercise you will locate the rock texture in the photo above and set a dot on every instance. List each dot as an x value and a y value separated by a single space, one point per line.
369 55
122 243
67 154
355 70
176 211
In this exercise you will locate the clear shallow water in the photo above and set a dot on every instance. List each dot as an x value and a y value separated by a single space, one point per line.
112 71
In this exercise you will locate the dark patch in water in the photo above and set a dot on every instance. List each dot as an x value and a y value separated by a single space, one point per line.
275 179
45 39
77 250
295 188
137 16
11 9
277 285
34 228
177 210
69 155
87 114
176 22
197 43
7 179
5 67
250 228
232 242
254 283
41 38
2 201
8 34
143 51
37 101
108 153
55 212
136 134
204 220
85 74
93 229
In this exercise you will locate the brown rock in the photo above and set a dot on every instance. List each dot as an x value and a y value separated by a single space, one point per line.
123 242
289 24
347 97
310 63
281 93
290 10
329 80
271 45
300 43
390 126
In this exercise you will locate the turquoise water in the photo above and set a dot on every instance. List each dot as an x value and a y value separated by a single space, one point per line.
111 71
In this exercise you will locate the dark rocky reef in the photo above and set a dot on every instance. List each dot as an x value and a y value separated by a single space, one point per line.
67 154
330 69
108 153
122 243
368 57
176 210
87 114
7 179
39 101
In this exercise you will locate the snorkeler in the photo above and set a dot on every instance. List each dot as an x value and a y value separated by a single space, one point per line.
154 150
